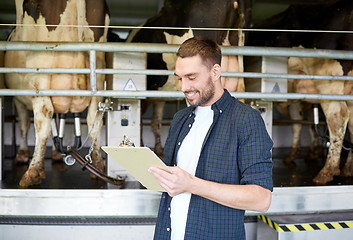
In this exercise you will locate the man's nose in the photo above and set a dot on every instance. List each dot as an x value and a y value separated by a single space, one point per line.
183 85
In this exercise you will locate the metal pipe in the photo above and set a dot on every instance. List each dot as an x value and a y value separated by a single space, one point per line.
87 46
93 75
229 74
169 72
54 129
169 94
161 48
45 70
182 28
172 48
287 52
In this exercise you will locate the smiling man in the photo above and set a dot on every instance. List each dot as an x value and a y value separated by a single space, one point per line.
218 151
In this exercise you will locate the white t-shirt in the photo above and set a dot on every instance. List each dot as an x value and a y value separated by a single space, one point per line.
187 159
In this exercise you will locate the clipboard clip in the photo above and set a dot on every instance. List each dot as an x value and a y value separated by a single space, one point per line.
126 142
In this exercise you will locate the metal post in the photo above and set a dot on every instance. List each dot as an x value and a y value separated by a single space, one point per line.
1 137
93 74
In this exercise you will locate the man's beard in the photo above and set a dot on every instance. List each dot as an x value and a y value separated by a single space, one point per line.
205 95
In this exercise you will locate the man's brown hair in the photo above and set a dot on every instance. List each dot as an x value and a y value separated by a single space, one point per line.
208 50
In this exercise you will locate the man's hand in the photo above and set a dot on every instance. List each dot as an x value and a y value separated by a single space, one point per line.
246 197
175 182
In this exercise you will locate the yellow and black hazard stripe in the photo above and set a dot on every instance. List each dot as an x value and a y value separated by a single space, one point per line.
305 227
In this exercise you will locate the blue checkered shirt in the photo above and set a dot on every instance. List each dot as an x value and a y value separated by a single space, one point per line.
236 150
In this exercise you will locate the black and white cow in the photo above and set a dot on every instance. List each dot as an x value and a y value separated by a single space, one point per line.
192 14
334 15
32 16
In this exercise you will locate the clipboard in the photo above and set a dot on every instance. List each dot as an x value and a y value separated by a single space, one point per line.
137 161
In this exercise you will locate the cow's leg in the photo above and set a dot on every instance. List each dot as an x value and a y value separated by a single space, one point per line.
43 113
156 125
295 113
337 114
94 124
347 170
22 155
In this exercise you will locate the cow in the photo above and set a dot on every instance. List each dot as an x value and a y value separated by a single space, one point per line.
189 14
329 15
45 21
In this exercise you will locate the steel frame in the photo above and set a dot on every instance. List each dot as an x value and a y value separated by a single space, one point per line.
117 202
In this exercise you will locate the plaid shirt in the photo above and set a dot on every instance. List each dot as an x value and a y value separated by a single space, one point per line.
236 150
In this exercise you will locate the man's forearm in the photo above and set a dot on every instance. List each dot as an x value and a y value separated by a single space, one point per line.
245 197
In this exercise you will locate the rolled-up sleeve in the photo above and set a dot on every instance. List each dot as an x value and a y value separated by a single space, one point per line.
255 159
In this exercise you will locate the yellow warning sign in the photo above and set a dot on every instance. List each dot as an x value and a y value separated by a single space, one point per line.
305 227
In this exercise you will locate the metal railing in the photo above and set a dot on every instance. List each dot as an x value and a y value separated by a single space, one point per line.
92 48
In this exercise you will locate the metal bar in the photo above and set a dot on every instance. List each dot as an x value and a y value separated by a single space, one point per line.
283 122
286 76
92 64
169 72
46 70
144 203
229 74
161 48
182 28
78 202
300 200
77 220
172 48
287 52
169 94
1 140
87 46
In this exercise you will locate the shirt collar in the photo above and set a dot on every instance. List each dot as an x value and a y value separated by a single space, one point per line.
222 103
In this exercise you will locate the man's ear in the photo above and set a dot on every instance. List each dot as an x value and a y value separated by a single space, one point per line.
216 72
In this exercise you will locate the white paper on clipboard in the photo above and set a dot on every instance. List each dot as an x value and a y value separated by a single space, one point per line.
137 161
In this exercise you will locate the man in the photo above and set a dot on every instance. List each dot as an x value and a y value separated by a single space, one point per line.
219 153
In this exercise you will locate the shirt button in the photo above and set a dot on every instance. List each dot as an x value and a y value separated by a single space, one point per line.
179 143
189 125
220 111
169 209
168 229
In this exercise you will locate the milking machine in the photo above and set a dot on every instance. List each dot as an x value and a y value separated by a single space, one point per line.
128 212
323 137
123 119
71 154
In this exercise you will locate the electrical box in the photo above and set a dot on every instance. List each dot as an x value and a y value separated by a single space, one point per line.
276 65
266 110
125 117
